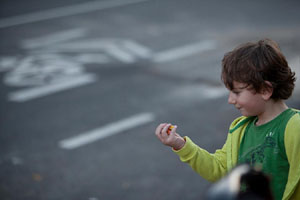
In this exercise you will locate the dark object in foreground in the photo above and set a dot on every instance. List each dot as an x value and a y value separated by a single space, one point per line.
243 182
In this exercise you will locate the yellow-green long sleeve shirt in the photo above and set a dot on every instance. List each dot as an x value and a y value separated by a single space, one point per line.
213 166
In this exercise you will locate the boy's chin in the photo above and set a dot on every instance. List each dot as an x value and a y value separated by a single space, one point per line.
246 114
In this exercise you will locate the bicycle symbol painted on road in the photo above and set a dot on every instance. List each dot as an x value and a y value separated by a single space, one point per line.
55 63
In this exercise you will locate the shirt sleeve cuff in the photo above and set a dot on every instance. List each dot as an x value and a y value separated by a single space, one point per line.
186 149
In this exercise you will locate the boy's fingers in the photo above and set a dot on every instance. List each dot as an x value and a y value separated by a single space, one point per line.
159 129
165 129
173 131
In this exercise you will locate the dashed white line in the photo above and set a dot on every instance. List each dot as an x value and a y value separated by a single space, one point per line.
64 11
108 130
32 93
184 51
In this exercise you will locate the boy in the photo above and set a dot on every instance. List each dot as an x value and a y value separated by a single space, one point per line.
268 133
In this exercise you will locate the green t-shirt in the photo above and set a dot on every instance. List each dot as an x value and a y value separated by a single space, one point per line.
264 145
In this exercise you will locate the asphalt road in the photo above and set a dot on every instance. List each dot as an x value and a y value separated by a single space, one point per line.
85 83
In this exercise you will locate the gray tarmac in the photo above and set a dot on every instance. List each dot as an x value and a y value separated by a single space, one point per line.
111 71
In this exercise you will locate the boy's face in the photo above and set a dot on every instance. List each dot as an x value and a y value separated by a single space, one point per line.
246 100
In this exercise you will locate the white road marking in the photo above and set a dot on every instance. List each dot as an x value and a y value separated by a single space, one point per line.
137 49
199 92
16 160
183 51
92 58
120 54
108 130
36 92
210 92
64 11
7 63
126 51
55 38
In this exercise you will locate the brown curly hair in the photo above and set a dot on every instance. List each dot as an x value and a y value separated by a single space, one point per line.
254 63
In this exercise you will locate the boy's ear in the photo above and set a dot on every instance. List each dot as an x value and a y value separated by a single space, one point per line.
267 91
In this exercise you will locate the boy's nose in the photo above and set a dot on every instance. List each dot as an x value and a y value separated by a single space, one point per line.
231 99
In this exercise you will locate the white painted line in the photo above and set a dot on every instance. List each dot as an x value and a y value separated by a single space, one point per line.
117 49
92 58
210 92
32 93
108 130
64 11
55 38
76 46
119 54
184 51
7 63
199 92
137 49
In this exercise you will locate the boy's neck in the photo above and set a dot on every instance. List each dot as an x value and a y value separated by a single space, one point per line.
272 110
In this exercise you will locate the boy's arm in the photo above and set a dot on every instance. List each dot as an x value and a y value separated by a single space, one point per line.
210 166
292 146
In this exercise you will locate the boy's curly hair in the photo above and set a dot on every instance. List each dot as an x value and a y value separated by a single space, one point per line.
254 63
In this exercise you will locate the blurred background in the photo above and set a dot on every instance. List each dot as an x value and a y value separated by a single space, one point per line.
85 83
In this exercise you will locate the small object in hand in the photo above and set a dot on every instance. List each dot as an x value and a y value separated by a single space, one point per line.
170 129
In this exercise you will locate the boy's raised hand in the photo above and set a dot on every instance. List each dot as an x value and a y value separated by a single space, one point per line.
169 138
